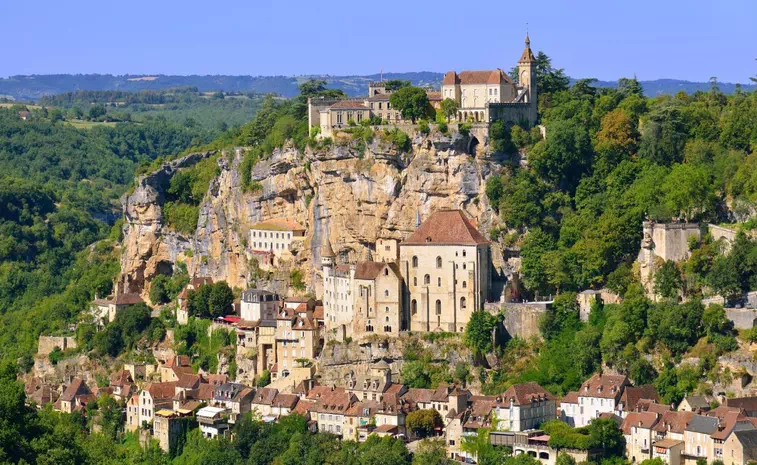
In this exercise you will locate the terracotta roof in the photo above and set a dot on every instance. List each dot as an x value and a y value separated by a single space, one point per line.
603 386
668 443
161 390
217 380
102 302
647 405
204 391
387 428
348 105
189 381
285 401
674 422
639 419
303 407
358 408
121 378
318 312
525 393
278 224
370 270
489 76
632 395
482 405
244 393
336 400
747 403
446 227
76 388
732 421
527 56
570 398
128 299
418 395
265 396
198 281
178 361
379 98
434 96
43 396
318 391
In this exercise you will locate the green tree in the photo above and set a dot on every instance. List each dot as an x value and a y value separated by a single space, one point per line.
412 102
431 452
689 191
449 108
424 422
562 315
667 280
479 333
393 85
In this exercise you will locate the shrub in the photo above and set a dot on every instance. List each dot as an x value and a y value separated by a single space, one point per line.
443 128
423 127
465 129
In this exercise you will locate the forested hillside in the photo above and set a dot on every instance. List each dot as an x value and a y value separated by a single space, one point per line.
57 184
185 105
612 158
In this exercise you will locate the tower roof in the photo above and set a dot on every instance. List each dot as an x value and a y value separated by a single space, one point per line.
326 250
528 55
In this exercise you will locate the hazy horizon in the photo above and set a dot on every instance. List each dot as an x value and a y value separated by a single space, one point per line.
603 40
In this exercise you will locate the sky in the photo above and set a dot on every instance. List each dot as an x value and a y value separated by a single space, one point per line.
692 40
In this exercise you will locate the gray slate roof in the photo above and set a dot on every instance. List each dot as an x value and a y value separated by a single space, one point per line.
702 424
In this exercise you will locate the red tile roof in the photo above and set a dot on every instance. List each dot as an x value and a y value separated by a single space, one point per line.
633 394
127 299
161 390
525 393
492 76
570 398
603 386
446 227
348 105
76 388
278 224
639 419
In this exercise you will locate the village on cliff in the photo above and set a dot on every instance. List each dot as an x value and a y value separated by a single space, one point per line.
432 281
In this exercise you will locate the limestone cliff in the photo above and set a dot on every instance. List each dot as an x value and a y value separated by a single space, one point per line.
353 196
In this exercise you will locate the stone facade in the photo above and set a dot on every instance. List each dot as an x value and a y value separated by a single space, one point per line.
663 242
445 266
48 343
275 236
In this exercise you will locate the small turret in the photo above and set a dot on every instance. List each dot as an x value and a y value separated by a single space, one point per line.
327 253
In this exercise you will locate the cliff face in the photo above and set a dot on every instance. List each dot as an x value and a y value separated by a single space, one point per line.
353 197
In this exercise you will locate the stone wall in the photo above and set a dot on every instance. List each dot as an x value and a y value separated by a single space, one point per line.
48 343
521 319
742 318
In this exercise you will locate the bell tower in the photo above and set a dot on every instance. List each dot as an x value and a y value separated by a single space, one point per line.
527 78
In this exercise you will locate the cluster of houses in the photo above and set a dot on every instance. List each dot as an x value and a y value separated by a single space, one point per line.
372 403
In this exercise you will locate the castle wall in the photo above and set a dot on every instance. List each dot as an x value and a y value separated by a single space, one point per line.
512 112
671 240
48 343
521 319
742 318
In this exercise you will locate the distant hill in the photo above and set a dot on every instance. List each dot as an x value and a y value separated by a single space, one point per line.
33 87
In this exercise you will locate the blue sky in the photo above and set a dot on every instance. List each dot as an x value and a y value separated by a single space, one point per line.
692 39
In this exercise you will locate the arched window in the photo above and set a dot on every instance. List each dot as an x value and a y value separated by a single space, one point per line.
387 319
415 280
463 304
465 285
438 262
463 253
386 293
463 265
386 309
427 279
438 307
415 262
369 327
414 306
386 271
439 282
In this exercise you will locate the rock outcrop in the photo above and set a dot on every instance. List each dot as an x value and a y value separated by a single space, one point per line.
353 196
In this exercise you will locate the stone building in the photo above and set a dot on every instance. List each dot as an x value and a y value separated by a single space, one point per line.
275 236
599 394
259 305
492 95
360 299
297 340
182 311
662 242
445 266
524 406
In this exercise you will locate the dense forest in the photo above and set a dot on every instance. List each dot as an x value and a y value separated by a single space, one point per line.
59 189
